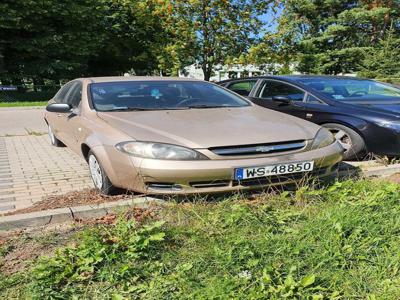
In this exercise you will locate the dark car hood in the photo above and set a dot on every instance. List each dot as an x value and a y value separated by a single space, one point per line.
392 107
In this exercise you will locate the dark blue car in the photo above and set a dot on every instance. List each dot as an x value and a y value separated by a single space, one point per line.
364 115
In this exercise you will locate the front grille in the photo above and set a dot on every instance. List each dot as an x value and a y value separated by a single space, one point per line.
258 148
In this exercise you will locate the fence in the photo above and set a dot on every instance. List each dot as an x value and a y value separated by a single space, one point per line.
12 93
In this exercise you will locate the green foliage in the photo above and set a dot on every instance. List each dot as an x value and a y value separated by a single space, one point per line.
336 243
24 103
333 37
58 40
215 30
383 60
104 255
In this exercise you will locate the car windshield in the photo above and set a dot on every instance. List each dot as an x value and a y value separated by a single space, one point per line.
161 95
353 89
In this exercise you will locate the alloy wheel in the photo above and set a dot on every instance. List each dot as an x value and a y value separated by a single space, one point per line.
51 135
342 137
96 172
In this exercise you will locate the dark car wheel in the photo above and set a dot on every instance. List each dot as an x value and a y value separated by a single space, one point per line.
54 141
100 179
351 141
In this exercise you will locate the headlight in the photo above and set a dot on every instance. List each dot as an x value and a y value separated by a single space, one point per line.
323 138
159 151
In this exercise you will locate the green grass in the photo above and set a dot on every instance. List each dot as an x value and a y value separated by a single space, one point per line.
338 243
20 104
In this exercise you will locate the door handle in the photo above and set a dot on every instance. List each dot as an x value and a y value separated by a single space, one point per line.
59 115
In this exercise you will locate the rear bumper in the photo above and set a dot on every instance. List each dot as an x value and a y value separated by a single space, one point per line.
217 176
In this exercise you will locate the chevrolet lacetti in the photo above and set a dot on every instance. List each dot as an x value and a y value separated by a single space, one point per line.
183 136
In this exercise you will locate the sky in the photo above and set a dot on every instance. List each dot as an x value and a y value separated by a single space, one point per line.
270 19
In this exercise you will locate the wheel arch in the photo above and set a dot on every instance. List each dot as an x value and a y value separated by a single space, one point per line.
85 151
351 123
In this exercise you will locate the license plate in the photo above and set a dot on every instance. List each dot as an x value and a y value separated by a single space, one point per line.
265 171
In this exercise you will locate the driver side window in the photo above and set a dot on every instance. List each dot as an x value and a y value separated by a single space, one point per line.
60 97
75 96
271 88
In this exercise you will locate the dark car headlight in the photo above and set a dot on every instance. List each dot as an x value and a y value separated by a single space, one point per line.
323 138
159 151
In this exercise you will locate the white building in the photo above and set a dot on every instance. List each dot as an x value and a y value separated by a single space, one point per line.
222 72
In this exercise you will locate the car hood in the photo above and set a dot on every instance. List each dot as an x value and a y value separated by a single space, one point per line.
204 128
391 108
387 108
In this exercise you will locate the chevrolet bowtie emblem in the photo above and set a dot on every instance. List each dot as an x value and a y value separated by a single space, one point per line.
264 149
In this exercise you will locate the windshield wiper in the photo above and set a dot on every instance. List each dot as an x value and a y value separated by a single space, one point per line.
204 106
142 108
125 109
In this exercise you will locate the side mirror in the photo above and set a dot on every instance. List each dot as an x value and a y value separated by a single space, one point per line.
282 99
59 108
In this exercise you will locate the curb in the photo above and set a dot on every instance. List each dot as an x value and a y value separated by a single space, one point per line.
8 108
350 169
382 171
60 215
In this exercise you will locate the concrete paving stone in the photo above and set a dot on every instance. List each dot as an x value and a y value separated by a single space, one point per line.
9 199
37 169
7 208
6 193
5 186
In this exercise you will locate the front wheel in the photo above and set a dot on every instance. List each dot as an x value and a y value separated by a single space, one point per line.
100 179
351 141
53 140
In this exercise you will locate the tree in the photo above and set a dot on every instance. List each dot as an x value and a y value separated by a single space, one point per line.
218 29
276 50
383 60
334 36
48 39
134 36
56 40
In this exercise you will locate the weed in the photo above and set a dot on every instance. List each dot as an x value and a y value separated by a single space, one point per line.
339 242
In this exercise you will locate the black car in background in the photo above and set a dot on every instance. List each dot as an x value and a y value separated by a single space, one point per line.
363 115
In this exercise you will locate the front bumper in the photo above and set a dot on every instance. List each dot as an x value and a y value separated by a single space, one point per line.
214 176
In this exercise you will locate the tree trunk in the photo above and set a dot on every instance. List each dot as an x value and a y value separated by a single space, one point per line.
207 71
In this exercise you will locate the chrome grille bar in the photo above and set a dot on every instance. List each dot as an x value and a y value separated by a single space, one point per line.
258 149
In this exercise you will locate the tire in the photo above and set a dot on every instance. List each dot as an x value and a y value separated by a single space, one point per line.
53 139
351 141
100 179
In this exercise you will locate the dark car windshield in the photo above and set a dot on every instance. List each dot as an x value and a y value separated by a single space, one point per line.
353 89
161 95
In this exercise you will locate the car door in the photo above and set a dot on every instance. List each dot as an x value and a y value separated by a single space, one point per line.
317 111
57 120
270 88
73 121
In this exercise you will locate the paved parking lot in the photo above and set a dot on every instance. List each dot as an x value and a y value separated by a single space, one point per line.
21 121
30 168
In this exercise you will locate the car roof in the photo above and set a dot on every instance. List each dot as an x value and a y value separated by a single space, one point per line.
137 78
296 77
